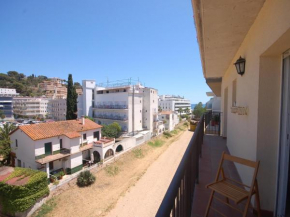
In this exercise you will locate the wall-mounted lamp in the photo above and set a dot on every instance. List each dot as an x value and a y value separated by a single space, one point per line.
240 65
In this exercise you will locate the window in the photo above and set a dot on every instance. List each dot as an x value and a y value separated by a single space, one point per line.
23 164
97 135
60 143
16 142
140 111
140 121
234 96
19 163
84 136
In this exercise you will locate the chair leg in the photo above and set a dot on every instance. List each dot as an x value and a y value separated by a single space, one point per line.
247 206
257 197
209 203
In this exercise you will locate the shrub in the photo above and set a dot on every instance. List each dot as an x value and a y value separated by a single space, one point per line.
167 134
15 198
112 170
85 178
138 153
156 143
185 123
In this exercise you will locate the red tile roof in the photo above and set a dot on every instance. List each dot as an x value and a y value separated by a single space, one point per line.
166 112
59 128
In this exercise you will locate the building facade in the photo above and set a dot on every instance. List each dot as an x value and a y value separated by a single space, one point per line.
55 146
214 104
255 103
173 103
6 99
133 106
57 109
170 119
30 107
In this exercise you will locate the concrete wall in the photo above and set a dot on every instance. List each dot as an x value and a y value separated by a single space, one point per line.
256 136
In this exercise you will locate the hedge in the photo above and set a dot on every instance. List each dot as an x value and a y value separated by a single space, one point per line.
20 198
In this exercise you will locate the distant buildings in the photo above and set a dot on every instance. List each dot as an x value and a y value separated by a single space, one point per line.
57 109
54 88
173 103
6 98
170 119
130 104
214 104
30 107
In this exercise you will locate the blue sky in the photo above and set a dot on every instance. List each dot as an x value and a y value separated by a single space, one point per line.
153 40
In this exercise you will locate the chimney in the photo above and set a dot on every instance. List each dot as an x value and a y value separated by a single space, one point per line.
83 120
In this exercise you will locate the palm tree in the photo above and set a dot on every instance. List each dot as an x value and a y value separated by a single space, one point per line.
186 110
5 142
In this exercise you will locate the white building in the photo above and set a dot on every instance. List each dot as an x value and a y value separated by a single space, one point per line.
6 98
214 104
169 118
173 103
55 146
57 109
133 106
30 106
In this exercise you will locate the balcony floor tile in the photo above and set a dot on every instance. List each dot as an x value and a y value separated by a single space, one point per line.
211 154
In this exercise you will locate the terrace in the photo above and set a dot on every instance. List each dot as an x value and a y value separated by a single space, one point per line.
187 194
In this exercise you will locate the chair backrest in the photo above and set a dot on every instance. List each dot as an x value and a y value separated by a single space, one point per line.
242 161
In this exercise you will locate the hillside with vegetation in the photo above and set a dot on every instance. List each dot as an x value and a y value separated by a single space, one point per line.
25 85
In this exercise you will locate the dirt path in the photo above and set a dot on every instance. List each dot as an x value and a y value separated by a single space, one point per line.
101 197
145 197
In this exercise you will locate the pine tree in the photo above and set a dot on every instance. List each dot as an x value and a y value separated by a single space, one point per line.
71 103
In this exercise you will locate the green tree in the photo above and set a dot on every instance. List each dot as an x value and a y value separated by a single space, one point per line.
159 109
2 115
186 110
180 111
198 110
71 105
90 118
112 130
5 143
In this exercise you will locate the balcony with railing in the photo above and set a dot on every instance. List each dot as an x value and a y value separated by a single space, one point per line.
111 116
111 105
187 194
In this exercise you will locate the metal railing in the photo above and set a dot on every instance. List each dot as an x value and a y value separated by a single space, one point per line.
65 151
111 117
179 196
212 122
111 106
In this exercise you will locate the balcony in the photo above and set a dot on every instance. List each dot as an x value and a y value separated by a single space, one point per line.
57 155
111 117
111 106
187 194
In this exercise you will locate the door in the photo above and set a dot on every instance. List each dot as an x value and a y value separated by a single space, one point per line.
48 148
283 169
225 112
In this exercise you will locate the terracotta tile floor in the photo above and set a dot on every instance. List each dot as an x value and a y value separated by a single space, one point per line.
211 153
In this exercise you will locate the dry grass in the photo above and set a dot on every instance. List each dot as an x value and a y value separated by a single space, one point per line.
112 182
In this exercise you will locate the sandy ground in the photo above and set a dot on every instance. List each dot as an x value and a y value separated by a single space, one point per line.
145 197
101 197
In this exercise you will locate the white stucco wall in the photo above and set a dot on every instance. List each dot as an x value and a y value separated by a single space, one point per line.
25 150
256 136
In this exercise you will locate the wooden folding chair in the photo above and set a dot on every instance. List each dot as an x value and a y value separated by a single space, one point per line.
233 189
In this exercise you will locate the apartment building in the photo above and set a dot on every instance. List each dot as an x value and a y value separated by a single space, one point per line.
57 109
54 88
30 107
214 104
130 104
245 53
173 103
6 98
55 146
170 119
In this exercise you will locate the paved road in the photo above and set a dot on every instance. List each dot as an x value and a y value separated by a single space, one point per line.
145 197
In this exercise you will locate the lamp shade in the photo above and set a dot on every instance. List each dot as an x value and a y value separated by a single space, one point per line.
240 65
